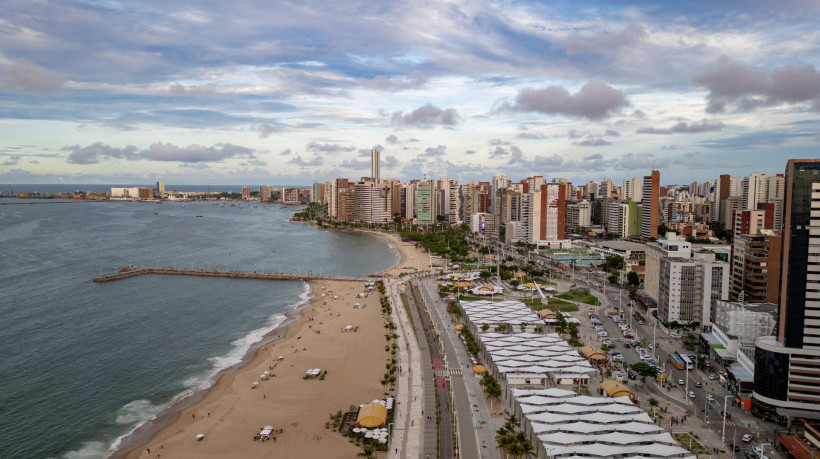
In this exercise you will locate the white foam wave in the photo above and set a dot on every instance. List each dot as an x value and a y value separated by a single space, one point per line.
88 450
137 411
141 411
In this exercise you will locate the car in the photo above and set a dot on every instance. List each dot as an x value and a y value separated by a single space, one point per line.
631 375
681 382
698 384
617 358
734 447
620 340
640 322
750 455
603 333
675 335
713 376
746 438
710 397
691 394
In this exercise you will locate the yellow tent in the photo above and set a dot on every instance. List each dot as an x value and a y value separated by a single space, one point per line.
479 369
462 285
458 276
520 275
546 314
372 415
616 389
459 327
529 285
593 354
486 288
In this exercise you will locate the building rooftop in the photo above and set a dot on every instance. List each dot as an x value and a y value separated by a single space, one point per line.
623 246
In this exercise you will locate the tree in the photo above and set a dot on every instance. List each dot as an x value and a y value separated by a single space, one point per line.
485 327
515 283
644 370
633 279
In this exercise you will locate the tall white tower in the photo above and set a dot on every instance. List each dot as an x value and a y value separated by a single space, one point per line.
374 164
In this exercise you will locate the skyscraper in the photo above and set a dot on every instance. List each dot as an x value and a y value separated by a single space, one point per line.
374 164
787 366
650 190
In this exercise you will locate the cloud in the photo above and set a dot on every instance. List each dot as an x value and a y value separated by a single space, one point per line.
596 100
327 147
390 162
11 161
24 76
437 151
285 152
392 139
632 161
316 161
426 116
265 129
592 142
531 135
494 142
499 152
382 83
731 83
611 133
472 152
159 151
685 128
355 164
605 42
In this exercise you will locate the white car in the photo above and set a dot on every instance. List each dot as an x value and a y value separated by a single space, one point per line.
691 394
747 438
710 397
681 382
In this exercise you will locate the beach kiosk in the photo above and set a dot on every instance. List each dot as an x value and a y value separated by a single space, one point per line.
372 415
479 370
615 389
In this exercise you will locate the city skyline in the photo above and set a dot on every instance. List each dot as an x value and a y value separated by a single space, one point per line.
289 94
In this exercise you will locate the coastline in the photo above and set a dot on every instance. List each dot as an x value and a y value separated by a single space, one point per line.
165 432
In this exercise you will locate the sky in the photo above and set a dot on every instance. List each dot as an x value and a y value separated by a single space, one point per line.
287 93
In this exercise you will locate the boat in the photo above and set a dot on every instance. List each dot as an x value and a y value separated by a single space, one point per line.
155 213
199 216
172 215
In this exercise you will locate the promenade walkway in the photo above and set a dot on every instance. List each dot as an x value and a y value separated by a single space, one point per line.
407 437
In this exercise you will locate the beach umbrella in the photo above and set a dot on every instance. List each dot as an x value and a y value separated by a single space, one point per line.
281 357
382 440
200 437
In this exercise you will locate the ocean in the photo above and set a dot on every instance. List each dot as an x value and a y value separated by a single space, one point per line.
83 364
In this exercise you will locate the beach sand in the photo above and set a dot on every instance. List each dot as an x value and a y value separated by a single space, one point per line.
232 412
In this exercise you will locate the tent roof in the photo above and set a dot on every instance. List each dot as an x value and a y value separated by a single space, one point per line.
372 415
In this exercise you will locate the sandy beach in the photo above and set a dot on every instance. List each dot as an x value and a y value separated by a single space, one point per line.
232 412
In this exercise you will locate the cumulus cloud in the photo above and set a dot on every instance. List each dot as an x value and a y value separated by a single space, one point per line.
426 117
437 151
731 83
531 135
392 139
285 152
383 83
390 162
11 161
685 128
494 142
265 129
24 76
159 151
596 100
612 133
316 161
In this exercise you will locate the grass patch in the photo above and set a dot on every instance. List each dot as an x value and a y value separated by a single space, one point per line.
579 295
689 442
557 302
569 308
478 298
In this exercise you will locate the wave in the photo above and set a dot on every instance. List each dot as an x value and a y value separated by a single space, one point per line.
138 412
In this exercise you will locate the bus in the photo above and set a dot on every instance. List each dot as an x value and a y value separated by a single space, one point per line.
688 362
677 361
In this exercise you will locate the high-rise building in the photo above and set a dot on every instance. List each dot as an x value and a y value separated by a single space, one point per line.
756 266
290 195
246 192
579 215
651 205
624 218
374 164
265 192
631 189
426 202
499 182
754 190
373 201
160 190
689 288
787 366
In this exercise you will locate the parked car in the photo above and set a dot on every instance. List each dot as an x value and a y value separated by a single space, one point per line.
617 358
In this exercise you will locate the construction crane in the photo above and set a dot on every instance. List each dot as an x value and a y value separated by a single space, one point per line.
12 190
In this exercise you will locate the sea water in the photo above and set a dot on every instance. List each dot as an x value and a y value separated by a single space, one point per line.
83 363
